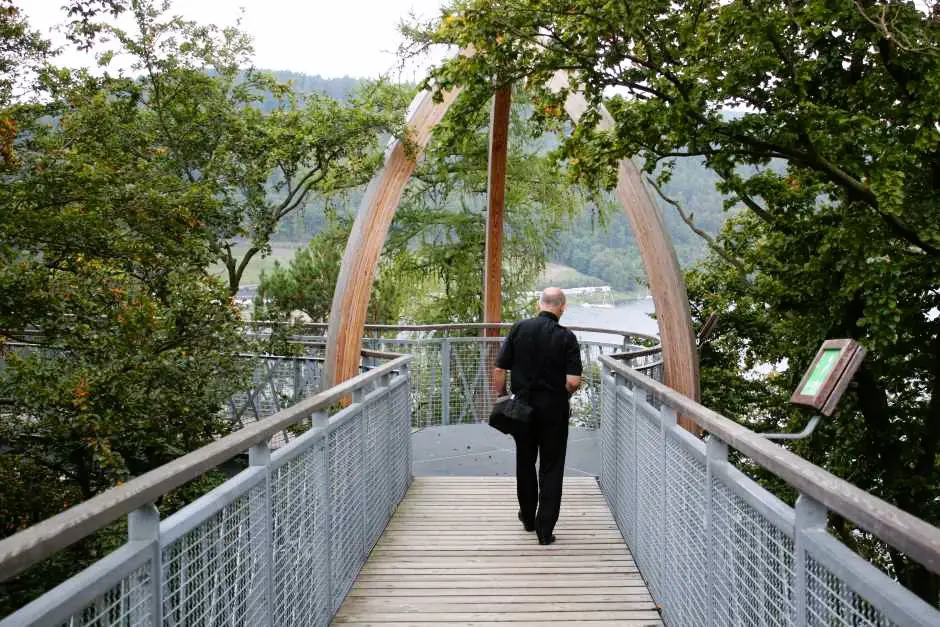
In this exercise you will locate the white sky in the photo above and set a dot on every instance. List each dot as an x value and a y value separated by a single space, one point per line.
328 37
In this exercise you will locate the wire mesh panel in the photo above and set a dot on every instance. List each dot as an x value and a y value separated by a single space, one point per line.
471 378
346 497
830 601
610 440
626 509
453 378
375 463
129 602
276 383
753 558
427 390
648 549
300 536
685 550
216 573
586 402
400 443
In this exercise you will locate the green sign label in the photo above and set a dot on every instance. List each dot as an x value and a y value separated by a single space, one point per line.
821 372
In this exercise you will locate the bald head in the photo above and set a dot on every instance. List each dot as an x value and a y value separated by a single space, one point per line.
553 300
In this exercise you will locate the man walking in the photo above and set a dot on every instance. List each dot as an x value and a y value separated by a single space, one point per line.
545 363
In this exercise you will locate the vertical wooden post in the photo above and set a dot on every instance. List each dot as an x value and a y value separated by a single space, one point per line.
496 193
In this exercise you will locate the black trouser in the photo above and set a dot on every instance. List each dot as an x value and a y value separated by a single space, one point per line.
546 438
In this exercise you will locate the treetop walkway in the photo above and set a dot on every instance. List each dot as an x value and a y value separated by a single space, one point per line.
331 525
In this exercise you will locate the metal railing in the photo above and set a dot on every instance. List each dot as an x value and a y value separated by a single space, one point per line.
454 378
718 549
279 544
453 375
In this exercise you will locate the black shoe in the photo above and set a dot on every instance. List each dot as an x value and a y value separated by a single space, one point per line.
547 540
525 526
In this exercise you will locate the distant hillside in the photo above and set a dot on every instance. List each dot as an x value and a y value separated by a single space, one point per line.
608 251
338 88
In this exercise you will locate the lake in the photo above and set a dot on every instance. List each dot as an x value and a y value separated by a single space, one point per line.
631 316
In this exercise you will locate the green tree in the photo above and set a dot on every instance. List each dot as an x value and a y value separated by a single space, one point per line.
834 154
431 268
439 232
262 146
129 345
309 280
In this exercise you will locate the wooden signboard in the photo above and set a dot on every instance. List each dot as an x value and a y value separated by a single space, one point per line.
828 376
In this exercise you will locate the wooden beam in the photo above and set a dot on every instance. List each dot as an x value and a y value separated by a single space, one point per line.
496 192
357 272
680 357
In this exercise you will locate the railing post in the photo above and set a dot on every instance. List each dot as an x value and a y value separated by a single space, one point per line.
667 420
716 452
298 381
636 460
358 396
445 381
320 420
260 456
406 372
143 525
811 515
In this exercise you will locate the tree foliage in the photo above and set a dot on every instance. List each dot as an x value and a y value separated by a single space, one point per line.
307 283
834 153
118 351
439 232
261 146
431 268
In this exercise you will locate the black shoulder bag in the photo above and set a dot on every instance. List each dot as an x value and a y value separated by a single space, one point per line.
510 414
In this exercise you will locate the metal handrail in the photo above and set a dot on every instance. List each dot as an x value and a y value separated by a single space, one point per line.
459 326
905 532
32 545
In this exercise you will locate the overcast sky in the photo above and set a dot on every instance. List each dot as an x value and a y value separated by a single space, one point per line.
328 37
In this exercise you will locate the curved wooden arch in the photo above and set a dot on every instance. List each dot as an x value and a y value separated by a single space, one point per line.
351 298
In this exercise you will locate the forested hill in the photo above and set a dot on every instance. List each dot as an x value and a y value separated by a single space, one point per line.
338 88
608 250
604 248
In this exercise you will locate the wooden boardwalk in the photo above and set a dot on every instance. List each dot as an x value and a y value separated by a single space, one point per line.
455 554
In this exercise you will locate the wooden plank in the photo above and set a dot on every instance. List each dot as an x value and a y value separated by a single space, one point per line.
454 553
490 571
535 551
525 583
509 605
606 591
462 617
376 597
385 561
514 623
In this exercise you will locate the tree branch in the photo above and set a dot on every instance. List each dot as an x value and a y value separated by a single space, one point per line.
712 244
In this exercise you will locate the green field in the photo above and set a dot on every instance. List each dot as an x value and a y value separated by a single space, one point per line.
281 252
558 275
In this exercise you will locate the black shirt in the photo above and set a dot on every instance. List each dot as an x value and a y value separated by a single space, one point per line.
540 353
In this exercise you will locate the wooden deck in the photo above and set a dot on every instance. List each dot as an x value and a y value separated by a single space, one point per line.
455 554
